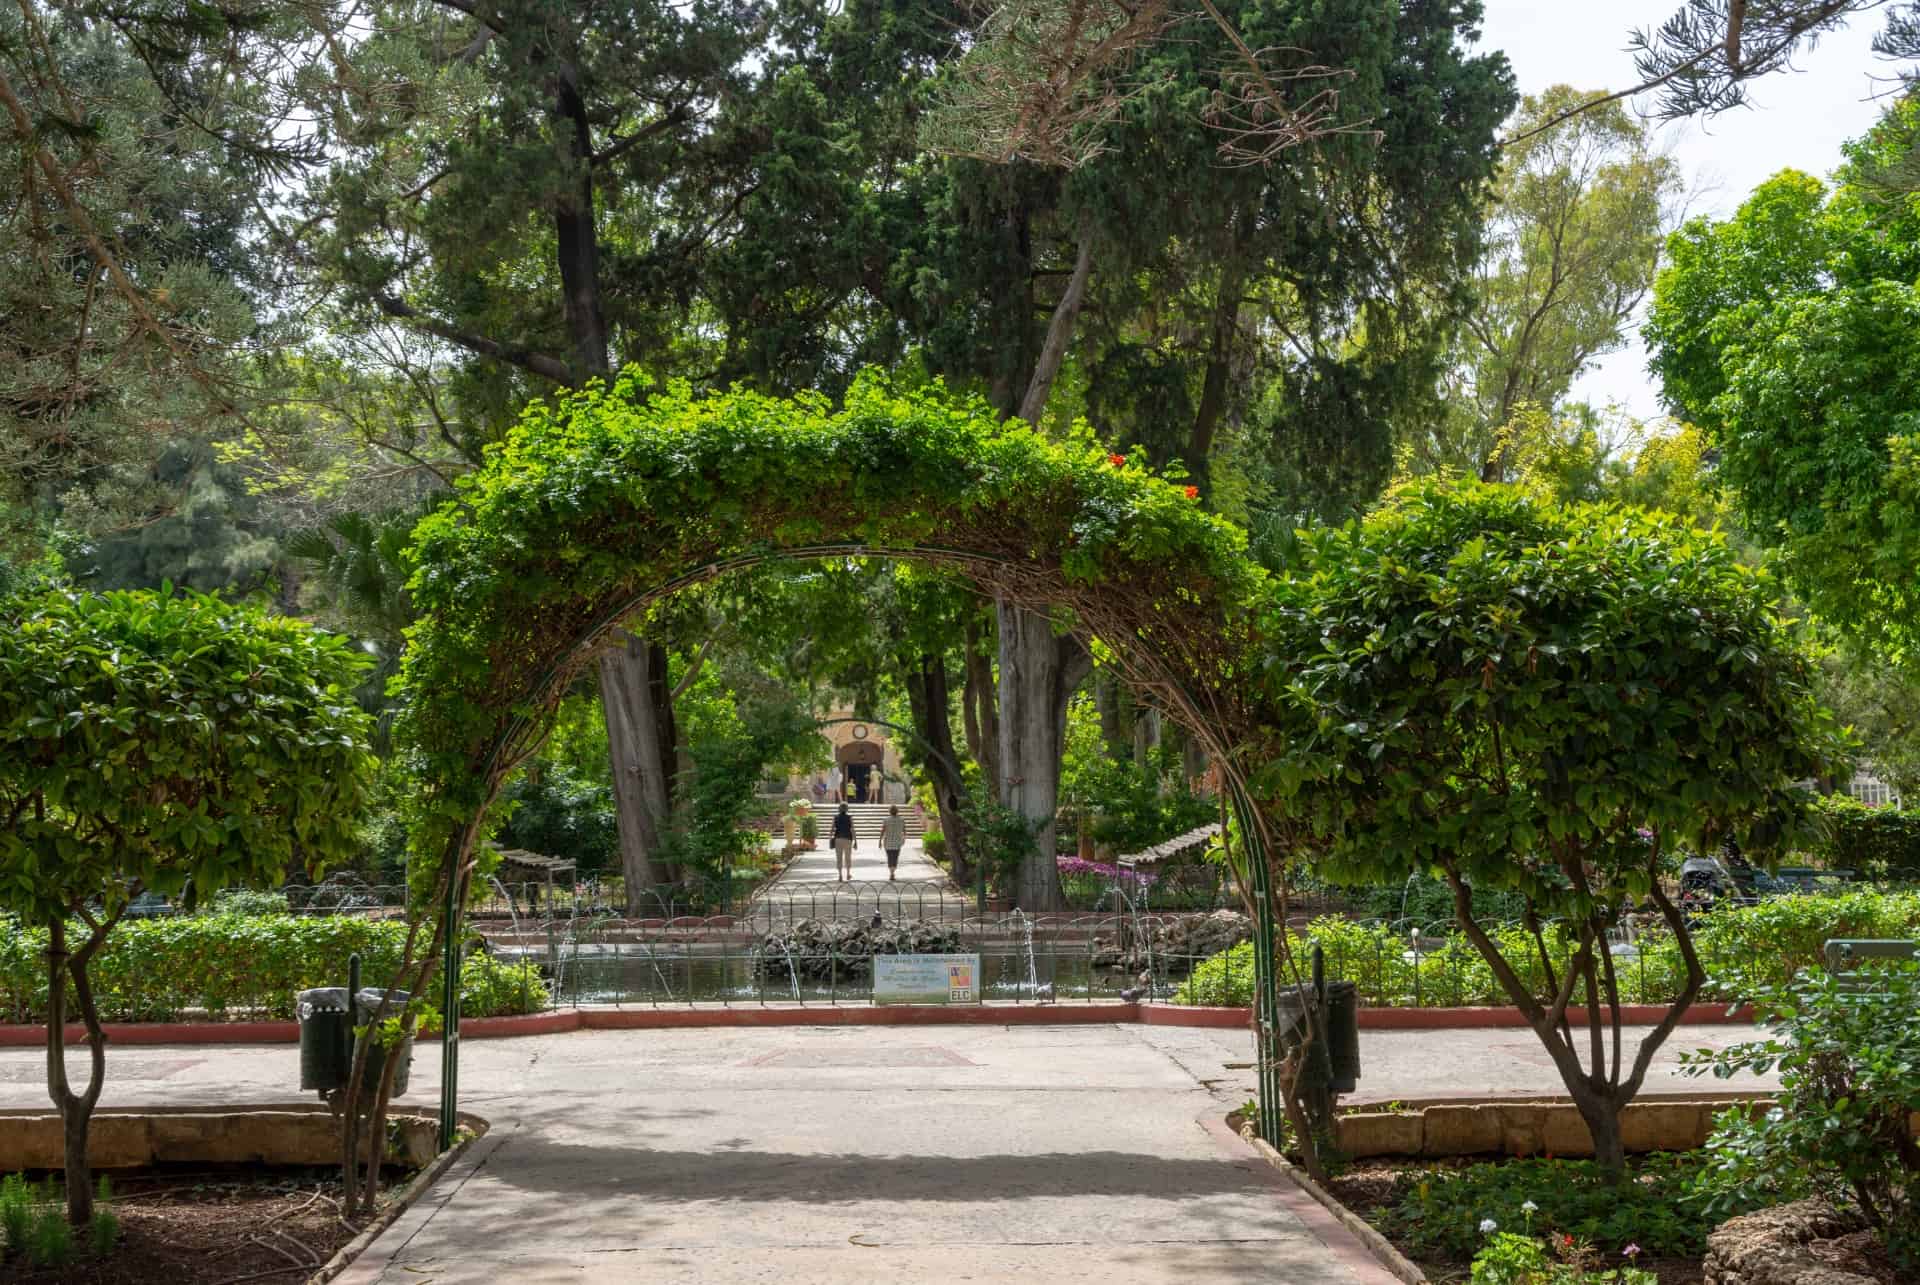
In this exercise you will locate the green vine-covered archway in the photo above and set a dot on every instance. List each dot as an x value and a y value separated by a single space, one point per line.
601 504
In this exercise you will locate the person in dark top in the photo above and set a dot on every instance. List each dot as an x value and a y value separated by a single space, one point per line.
843 843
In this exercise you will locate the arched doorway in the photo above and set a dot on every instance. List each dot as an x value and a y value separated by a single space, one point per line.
611 500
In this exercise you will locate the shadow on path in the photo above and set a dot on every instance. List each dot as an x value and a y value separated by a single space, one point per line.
536 1164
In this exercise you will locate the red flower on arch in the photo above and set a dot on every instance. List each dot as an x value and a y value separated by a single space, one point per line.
1118 461
1193 493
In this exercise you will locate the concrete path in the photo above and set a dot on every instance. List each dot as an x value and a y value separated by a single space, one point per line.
810 887
836 1154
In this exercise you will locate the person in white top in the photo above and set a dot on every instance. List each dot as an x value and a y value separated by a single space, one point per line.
893 837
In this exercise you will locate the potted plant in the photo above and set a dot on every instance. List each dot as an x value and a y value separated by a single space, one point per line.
801 811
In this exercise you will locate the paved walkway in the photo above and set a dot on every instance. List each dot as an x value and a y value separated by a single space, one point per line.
810 887
837 1154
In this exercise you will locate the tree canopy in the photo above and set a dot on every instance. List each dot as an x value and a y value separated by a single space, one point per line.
149 742
1544 700
159 743
1573 237
1791 334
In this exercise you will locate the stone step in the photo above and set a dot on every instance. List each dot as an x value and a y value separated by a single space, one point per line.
868 818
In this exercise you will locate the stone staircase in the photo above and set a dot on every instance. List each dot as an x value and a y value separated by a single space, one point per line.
867 820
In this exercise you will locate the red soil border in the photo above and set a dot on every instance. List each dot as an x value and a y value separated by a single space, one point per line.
629 1019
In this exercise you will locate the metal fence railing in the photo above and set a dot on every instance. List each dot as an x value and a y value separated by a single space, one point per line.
929 899
815 944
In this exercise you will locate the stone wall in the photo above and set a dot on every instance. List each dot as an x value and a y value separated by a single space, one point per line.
133 1138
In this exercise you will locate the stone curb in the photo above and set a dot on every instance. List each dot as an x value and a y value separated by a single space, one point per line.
1350 1238
296 1133
562 1021
422 1181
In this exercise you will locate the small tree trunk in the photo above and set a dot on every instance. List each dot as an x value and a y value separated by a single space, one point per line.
1038 673
1602 1116
76 1109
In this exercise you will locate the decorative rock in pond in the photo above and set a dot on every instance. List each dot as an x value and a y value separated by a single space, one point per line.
819 950
1803 1243
1178 944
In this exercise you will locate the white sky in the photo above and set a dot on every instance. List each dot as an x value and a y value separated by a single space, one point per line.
1798 119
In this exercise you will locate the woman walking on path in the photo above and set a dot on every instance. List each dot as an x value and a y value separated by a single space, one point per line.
893 837
843 843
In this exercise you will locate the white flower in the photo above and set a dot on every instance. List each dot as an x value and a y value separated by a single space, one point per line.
1488 1226
1529 1208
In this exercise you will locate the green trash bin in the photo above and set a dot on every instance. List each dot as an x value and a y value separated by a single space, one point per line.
326 1038
368 1002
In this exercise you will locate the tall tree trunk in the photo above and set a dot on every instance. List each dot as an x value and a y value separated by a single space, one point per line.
1146 736
576 235
981 705
1038 673
1114 705
1214 385
1193 758
1039 670
640 740
1013 296
634 692
1066 314
928 698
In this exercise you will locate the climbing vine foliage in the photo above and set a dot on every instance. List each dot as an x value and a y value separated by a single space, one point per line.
602 501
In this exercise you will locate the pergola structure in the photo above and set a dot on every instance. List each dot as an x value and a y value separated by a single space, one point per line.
611 500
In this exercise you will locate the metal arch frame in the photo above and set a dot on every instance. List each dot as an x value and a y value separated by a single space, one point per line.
1266 1005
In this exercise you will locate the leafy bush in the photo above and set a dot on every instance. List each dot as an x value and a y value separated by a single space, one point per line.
494 988
16 1212
1745 950
50 1239
554 810
231 966
1002 839
383 848
1848 1054
1874 841
711 839
1521 1260
934 843
1223 981
1439 1212
1751 949
1134 808
103 1230
250 901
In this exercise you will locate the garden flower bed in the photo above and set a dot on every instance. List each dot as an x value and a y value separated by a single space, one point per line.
1443 1214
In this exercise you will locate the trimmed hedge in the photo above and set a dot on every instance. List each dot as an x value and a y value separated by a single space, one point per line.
235 967
1743 948
1875 841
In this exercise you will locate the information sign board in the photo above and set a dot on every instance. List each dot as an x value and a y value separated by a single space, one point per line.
926 979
